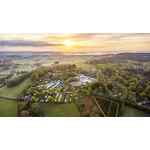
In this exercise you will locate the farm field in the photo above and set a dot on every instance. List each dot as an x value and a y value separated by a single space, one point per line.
60 110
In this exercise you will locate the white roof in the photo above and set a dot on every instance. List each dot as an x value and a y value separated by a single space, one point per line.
82 80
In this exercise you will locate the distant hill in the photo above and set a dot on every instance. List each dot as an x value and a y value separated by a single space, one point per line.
26 54
133 56
122 57
91 58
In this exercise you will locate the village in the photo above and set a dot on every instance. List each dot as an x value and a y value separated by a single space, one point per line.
55 84
53 89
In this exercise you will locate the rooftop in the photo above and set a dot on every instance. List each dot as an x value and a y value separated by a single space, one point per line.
82 80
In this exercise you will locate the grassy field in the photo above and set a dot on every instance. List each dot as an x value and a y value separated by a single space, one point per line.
16 90
9 108
60 110
110 65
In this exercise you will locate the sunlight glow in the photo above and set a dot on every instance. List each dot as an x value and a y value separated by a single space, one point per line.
68 43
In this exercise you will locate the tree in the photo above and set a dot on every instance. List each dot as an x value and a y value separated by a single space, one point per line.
56 62
24 113
36 110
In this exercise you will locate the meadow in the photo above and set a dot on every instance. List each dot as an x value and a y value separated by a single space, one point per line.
8 108
60 110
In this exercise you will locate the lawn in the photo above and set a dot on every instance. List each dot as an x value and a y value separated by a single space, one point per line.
8 108
16 90
60 110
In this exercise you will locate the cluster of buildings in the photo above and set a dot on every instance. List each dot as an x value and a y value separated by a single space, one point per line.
63 96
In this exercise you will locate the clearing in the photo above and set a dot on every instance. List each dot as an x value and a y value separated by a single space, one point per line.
61 110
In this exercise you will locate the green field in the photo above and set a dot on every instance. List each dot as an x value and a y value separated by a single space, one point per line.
106 65
16 90
60 110
8 108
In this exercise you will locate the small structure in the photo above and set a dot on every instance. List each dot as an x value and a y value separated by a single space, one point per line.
54 84
82 80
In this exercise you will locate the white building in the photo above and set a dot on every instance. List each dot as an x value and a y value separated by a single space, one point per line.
82 80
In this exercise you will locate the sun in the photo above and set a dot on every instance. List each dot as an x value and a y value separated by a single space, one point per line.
68 43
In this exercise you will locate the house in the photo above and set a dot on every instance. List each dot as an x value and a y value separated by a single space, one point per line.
82 80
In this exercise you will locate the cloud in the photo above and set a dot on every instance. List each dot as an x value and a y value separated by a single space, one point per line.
14 43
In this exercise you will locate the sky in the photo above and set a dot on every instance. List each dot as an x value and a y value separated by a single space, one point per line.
85 42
